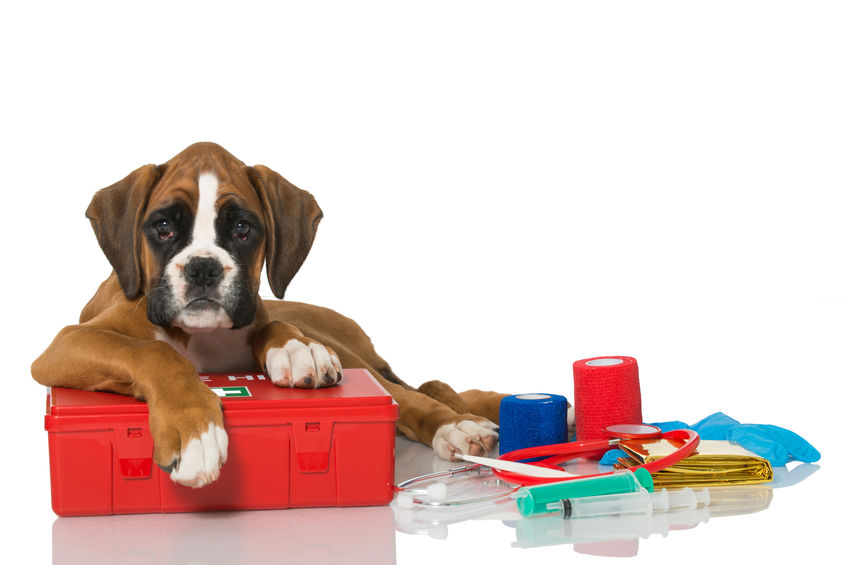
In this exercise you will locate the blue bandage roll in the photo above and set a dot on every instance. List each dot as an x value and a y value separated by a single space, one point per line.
530 420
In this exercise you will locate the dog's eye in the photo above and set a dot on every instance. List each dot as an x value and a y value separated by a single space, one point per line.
241 230
164 229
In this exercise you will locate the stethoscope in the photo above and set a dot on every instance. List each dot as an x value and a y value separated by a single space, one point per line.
435 495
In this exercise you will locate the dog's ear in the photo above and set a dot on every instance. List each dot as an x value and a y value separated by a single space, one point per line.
291 216
116 214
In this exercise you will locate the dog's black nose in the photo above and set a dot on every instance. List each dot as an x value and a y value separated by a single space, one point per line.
203 271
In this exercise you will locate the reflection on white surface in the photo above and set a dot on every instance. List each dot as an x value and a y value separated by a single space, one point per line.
314 535
613 536
785 477
616 536
367 534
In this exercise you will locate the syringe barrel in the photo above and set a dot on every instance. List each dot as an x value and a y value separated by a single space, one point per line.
639 502
537 500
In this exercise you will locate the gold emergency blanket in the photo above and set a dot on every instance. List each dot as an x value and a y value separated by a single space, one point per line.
715 463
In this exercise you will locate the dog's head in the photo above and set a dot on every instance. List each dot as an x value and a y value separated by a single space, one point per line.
192 235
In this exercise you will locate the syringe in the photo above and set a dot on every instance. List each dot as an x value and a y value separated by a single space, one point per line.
639 502
533 500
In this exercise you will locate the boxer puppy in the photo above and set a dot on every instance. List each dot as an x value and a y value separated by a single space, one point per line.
187 241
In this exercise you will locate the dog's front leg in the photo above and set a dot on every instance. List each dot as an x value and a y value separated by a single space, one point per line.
291 359
186 421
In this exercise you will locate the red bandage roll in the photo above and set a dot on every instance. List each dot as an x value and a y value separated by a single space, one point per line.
606 393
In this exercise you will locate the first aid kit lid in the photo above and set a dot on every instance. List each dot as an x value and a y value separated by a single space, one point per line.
238 391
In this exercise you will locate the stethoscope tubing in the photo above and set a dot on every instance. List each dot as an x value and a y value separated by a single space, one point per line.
553 455
560 452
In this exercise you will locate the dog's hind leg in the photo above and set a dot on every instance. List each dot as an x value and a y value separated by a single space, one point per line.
444 393
437 424
483 403
441 420
386 373
448 427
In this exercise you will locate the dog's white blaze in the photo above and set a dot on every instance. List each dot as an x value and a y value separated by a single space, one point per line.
203 244
203 236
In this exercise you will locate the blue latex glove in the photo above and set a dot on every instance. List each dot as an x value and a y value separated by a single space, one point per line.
716 426
777 445
670 426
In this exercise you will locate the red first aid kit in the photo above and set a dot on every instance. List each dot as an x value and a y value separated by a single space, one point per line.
287 448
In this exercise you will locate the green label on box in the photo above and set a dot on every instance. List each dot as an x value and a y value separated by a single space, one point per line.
231 391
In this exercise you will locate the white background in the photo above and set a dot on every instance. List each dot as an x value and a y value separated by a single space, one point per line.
507 188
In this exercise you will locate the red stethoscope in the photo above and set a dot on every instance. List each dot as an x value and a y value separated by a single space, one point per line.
435 495
558 453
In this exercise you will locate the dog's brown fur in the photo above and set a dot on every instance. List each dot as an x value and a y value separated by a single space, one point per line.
115 348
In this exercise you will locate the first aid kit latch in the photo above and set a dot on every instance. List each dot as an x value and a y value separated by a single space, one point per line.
311 442
134 452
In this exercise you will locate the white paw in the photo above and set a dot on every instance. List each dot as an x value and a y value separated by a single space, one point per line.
201 459
297 364
465 436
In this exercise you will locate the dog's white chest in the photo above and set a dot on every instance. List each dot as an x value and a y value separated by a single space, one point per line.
218 351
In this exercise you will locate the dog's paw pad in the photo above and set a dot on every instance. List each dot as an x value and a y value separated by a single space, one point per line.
471 437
